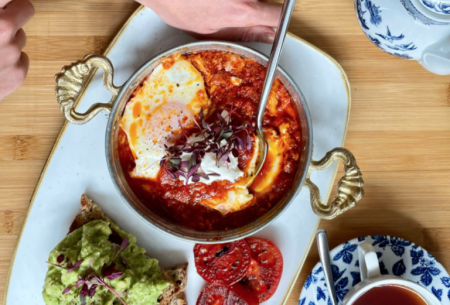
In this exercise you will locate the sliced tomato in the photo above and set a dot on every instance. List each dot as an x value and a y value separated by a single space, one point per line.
266 267
220 295
223 264
246 294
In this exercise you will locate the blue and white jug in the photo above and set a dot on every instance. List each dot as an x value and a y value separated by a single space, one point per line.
410 29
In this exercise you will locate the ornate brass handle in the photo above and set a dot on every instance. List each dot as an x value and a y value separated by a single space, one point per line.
72 81
349 188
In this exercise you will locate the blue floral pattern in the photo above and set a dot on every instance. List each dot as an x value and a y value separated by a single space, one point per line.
439 7
403 47
402 41
346 253
404 56
396 256
375 17
412 10
426 270
389 37
360 14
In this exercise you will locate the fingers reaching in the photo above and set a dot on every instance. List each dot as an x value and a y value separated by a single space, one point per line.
246 34
251 13
13 77
267 14
18 12
13 62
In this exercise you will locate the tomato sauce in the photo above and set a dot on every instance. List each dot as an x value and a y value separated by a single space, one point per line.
232 82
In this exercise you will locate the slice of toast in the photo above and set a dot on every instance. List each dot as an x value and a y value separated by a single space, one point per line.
176 276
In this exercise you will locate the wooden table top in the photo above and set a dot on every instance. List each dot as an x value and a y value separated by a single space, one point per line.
399 125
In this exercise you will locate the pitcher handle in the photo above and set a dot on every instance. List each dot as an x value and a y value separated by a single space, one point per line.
72 81
349 188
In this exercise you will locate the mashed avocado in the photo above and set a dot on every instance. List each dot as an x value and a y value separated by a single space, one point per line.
142 278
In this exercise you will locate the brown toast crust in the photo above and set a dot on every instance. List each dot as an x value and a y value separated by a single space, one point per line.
176 276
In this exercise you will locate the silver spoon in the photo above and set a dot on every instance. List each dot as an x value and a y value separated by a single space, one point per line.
288 8
324 253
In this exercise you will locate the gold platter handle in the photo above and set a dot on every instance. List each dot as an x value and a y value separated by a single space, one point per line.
349 188
72 81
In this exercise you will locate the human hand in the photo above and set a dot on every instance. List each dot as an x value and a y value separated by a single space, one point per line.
235 20
13 62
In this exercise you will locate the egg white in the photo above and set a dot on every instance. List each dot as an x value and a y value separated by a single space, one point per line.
172 95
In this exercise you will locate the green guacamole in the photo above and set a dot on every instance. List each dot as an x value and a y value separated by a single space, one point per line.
142 279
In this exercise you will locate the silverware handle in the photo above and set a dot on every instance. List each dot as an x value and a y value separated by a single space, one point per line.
286 12
324 254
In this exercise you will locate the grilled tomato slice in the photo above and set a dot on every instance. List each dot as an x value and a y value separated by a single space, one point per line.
224 264
266 267
221 295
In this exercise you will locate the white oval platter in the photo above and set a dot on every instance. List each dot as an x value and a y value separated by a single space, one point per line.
77 165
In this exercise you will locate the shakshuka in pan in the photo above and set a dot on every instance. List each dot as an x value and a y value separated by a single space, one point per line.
187 141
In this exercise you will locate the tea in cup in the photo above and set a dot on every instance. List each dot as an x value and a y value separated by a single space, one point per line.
378 289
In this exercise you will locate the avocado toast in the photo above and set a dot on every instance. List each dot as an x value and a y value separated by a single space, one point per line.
98 263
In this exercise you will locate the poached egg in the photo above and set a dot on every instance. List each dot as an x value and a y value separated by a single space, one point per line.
172 95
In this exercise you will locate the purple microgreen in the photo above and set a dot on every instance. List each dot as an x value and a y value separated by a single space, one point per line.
110 272
124 244
90 282
75 266
56 265
114 275
91 291
220 138
241 142
60 258
221 118
115 292
181 174
223 158
191 172
235 152
67 289
84 290
249 142
192 161
114 237
171 174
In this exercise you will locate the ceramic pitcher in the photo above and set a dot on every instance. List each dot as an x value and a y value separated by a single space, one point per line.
410 29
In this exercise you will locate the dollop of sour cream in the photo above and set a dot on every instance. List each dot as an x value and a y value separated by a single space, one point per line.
227 171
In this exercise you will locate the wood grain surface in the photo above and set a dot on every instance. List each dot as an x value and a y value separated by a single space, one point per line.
399 125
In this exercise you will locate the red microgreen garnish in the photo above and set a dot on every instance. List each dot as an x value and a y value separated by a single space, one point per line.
221 138
68 265
75 266
60 258
90 282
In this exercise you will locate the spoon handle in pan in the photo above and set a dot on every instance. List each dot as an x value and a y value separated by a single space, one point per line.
288 8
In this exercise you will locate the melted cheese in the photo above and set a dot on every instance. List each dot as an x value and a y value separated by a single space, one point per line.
273 165
234 200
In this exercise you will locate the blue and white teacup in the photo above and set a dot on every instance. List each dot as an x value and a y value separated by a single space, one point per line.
371 277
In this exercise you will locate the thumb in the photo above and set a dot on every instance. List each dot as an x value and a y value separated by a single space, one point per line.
262 34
